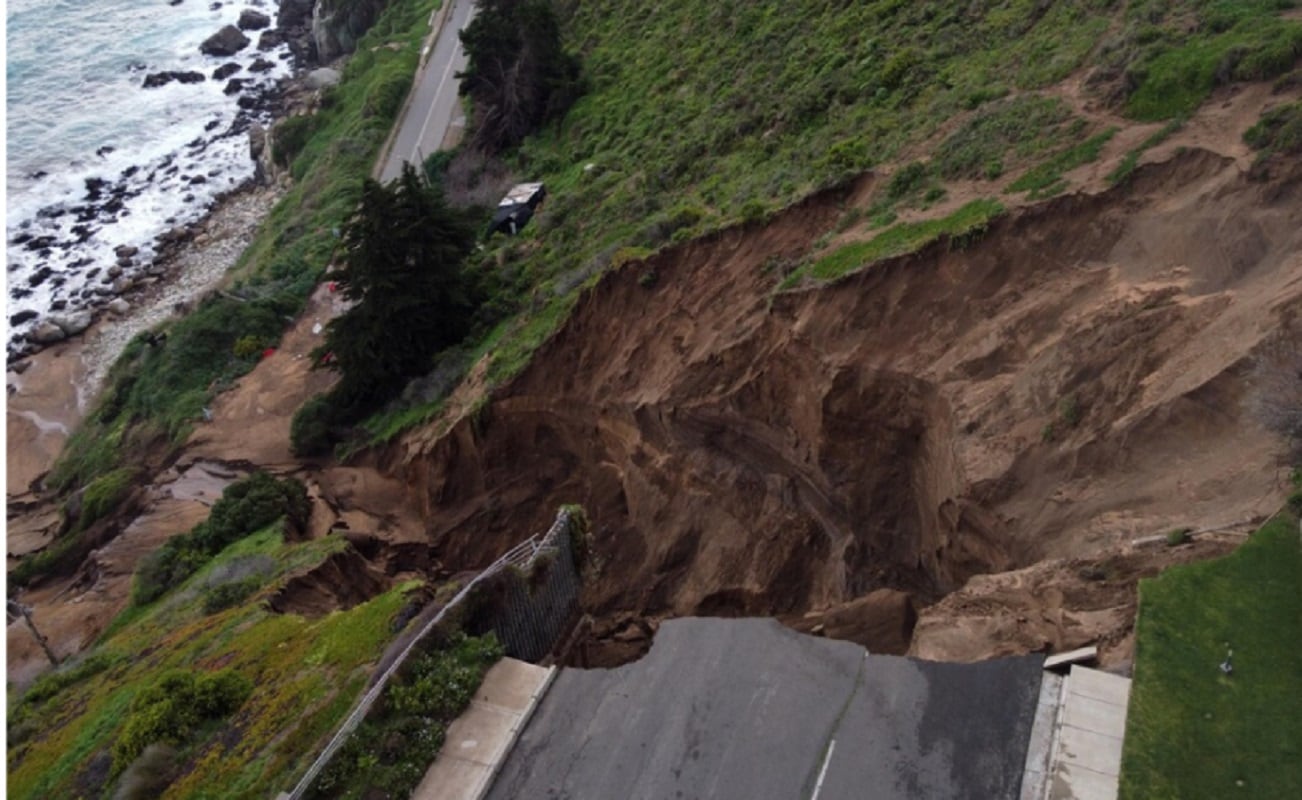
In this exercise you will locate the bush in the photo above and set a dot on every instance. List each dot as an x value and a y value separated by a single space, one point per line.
1178 536
1279 130
226 595
310 430
151 773
245 507
289 137
170 710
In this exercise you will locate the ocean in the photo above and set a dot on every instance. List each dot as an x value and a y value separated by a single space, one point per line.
96 162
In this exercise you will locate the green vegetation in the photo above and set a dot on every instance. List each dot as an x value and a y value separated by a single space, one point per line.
518 75
1175 66
1024 126
1278 131
393 747
171 710
1193 730
246 506
1039 180
961 227
305 675
404 249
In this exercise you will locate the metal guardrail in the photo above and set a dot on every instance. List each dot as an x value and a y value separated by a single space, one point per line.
522 556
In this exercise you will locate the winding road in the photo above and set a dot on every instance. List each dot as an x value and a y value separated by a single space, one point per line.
433 106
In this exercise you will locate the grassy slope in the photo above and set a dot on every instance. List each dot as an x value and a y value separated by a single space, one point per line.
699 115
306 674
1192 731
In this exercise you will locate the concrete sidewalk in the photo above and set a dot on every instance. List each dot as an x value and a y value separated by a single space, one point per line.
1075 751
478 741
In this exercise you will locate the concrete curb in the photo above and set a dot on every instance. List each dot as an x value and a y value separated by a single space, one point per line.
514 736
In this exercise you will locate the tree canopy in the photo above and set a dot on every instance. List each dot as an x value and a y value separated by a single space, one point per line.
518 73
403 269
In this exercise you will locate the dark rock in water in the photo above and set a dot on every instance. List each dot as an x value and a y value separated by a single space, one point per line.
235 86
137 66
82 232
113 206
270 40
251 20
39 276
225 71
23 316
39 243
129 171
58 305
92 273
198 179
125 251
226 42
212 124
94 186
175 2
105 150
163 78
51 212
247 102
37 175
22 238
261 65
215 7
195 142
19 294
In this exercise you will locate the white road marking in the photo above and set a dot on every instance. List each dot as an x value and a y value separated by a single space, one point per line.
827 759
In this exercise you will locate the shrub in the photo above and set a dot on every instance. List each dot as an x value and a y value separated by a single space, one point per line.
310 430
151 773
226 595
171 709
1279 130
289 136
1178 536
246 506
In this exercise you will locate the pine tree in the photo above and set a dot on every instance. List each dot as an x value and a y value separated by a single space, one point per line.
403 268
518 74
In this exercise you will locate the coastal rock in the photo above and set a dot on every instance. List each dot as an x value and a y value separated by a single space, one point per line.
321 78
235 85
226 42
270 40
251 20
21 317
125 251
261 65
74 323
337 26
39 276
119 307
46 332
163 78
225 71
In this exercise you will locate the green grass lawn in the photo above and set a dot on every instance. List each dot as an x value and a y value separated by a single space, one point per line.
1192 731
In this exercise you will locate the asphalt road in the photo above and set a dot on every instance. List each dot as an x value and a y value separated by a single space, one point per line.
750 709
434 104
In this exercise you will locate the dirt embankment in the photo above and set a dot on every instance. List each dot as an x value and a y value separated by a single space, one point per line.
1072 380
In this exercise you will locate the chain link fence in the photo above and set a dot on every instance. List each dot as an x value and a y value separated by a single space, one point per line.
531 595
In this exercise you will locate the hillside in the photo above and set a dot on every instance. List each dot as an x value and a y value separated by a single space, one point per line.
896 321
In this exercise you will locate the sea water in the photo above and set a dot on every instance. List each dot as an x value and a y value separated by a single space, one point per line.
76 111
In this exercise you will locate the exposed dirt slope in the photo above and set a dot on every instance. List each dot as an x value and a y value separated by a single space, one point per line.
1072 380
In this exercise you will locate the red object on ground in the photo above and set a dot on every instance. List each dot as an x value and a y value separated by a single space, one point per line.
332 286
268 352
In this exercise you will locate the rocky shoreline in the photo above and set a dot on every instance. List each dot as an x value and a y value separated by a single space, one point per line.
135 276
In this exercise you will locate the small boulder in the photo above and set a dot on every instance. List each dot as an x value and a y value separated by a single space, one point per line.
261 65
270 40
225 71
74 323
321 78
46 332
251 20
226 42
235 86
125 251
119 307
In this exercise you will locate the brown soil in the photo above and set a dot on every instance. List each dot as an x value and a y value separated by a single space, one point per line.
341 581
970 436
1070 382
